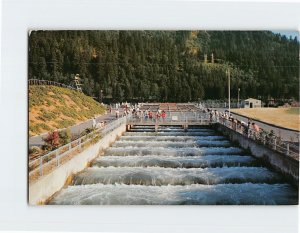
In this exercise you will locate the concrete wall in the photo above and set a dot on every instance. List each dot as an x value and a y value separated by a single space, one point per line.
282 163
48 185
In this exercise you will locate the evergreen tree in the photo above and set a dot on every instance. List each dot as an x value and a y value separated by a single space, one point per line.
168 65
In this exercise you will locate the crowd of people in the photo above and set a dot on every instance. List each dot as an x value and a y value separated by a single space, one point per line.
249 128
138 113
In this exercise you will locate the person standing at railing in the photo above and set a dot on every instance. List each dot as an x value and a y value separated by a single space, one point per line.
157 115
216 116
94 122
150 116
245 129
210 116
239 126
117 113
226 118
163 115
255 129
249 128
270 137
146 115
234 124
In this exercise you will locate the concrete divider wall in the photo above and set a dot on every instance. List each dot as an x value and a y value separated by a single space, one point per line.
282 163
48 185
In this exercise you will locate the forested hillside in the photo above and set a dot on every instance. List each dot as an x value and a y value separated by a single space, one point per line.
168 65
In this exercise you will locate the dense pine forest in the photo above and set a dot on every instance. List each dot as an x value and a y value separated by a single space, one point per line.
177 66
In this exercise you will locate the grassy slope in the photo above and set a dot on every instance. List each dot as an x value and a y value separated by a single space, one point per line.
285 117
52 107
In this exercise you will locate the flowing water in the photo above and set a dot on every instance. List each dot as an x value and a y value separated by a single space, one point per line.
172 166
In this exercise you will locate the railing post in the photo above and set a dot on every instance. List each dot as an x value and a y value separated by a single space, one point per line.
287 148
79 143
41 166
274 144
57 157
264 139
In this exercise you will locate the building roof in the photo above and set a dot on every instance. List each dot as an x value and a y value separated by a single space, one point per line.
251 99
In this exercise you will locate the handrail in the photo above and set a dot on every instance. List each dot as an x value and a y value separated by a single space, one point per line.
271 141
38 165
48 82
181 119
55 158
275 143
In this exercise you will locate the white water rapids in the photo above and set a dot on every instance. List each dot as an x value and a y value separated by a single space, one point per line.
174 167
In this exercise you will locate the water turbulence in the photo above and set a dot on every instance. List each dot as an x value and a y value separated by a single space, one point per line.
176 167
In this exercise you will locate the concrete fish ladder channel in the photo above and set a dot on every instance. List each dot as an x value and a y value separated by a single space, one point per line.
48 185
173 166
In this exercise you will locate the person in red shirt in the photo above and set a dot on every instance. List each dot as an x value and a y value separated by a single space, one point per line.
163 115
150 115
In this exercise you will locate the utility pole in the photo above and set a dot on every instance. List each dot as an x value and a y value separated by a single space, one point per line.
100 96
238 103
228 72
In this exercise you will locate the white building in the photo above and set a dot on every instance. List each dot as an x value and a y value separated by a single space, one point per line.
251 103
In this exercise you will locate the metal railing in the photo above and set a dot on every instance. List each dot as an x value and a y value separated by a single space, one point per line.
45 164
262 137
48 82
172 118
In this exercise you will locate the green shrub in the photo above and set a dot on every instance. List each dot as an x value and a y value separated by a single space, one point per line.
48 115
86 131
65 136
34 128
65 123
43 126
34 150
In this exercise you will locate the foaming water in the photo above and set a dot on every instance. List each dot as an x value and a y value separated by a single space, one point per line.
158 176
176 162
172 133
199 143
171 130
170 138
168 151
221 194
176 167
